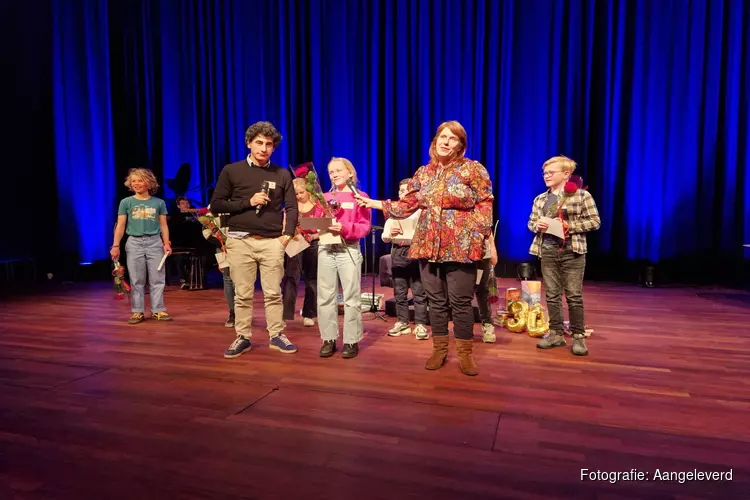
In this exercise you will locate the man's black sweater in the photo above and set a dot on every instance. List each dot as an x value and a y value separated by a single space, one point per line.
238 182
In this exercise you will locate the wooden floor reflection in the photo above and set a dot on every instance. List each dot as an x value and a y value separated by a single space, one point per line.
91 407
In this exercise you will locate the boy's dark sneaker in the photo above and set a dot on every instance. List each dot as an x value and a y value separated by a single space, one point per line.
282 344
239 346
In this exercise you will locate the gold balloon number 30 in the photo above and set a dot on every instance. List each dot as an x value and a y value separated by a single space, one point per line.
522 317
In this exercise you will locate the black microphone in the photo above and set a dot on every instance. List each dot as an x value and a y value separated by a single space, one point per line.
265 187
353 188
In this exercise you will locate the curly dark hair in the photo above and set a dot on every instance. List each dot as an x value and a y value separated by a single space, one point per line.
263 128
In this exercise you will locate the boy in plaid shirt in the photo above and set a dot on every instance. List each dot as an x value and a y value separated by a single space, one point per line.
563 261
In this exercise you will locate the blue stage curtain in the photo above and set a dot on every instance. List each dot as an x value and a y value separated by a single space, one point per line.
83 127
649 97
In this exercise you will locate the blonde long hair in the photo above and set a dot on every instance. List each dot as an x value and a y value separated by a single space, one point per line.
300 182
349 166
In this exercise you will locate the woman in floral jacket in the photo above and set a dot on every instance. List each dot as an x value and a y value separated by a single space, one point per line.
455 195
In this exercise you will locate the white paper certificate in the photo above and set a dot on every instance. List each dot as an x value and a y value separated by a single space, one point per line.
297 245
555 227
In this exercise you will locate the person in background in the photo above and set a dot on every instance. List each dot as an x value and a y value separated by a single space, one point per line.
483 292
183 204
143 217
406 275
304 264
179 261
223 263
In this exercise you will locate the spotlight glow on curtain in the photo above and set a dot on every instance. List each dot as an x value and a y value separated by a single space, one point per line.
650 98
83 128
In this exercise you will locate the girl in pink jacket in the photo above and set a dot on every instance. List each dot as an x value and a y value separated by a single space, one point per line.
342 261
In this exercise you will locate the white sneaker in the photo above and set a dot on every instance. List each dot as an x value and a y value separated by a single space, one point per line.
308 321
400 328
420 331
488 333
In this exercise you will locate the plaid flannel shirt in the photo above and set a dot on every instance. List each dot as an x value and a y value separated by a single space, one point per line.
579 211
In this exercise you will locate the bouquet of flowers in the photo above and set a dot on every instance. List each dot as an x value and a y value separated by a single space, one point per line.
121 286
571 187
494 295
210 222
312 185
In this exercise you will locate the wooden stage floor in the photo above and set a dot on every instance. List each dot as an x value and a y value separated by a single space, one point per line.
91 407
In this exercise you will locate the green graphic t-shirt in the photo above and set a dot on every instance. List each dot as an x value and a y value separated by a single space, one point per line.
143 215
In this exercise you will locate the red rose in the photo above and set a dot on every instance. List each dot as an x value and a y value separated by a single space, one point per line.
570 187
201 212
302 170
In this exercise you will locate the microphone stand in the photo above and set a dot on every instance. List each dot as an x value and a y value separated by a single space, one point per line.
373 305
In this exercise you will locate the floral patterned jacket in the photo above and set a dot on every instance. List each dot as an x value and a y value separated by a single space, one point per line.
456 203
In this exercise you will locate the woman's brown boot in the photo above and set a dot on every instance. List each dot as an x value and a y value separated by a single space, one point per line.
439 352
465 359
